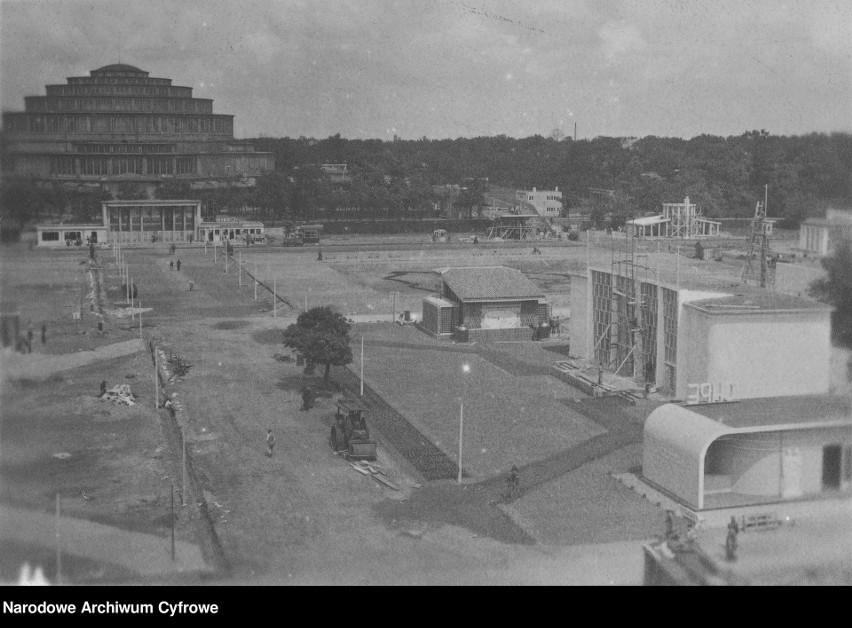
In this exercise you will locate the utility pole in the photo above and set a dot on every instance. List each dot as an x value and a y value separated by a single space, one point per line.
173 522
156 380
183 474
58 544
461 438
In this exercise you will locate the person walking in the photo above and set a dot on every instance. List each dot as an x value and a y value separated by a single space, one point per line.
178 265
270 443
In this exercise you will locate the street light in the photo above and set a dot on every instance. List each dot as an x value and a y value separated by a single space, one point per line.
465 370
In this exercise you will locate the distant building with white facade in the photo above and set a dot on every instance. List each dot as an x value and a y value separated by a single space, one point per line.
547 203
820 236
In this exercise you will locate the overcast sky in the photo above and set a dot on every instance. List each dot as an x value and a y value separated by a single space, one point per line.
448 68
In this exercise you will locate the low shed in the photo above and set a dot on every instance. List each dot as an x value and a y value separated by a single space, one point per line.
750 452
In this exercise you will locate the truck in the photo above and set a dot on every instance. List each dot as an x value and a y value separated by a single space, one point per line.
349 434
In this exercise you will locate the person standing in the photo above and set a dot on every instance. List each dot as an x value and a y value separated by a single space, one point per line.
43 333
178 265
270 443
29 337
171 264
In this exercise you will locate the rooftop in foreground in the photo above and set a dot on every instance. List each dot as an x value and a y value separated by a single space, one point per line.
763 412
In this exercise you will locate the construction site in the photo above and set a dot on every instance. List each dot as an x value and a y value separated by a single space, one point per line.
644 322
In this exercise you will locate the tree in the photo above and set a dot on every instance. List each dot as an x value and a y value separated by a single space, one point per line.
322 336
836 289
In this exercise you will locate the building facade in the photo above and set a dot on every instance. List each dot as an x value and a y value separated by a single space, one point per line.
547 203
722 455
489 303
763 344
121 125
820 236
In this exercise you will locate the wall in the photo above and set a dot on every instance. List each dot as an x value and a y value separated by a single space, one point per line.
753 461
580 322
795 279
767 355
670 467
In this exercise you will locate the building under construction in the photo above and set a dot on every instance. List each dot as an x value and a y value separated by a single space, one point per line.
678 220
641 321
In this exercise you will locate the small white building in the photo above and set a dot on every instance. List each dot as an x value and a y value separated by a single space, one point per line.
718 455
547 203
70 234
820 236
229 229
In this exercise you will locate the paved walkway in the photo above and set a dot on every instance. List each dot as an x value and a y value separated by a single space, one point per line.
145 554
15 365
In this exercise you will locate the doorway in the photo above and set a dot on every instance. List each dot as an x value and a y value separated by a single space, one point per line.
832 456
94 237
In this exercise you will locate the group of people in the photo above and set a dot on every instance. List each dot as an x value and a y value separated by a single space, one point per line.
173 264
25 343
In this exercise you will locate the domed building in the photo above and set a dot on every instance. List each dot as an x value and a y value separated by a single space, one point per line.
120 125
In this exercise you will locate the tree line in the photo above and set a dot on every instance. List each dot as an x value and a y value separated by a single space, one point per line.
410 179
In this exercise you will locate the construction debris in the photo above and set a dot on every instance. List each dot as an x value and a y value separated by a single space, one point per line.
119 395
179 365
374 471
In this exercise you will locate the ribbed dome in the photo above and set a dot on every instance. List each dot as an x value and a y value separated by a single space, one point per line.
118 67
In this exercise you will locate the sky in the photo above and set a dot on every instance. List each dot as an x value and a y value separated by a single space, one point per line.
453 68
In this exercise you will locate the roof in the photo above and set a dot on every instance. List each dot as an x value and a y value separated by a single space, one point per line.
70 225
438 302
504 218
118 67
490 282
759 414
145 202
647 221
751 299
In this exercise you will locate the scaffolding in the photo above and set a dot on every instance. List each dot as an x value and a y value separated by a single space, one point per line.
627 300
686 222
759 268
513 227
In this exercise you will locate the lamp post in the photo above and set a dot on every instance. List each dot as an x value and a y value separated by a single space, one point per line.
465 370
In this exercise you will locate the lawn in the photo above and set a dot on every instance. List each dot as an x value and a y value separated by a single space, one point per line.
507 420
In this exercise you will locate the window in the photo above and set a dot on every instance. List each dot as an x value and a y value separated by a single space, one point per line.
50 236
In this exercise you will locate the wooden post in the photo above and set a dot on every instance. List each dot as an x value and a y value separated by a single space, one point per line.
461 437
274 298
140 320
255 281
393 316
132 311
183 474
362 365
58 544
156 380
240 268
